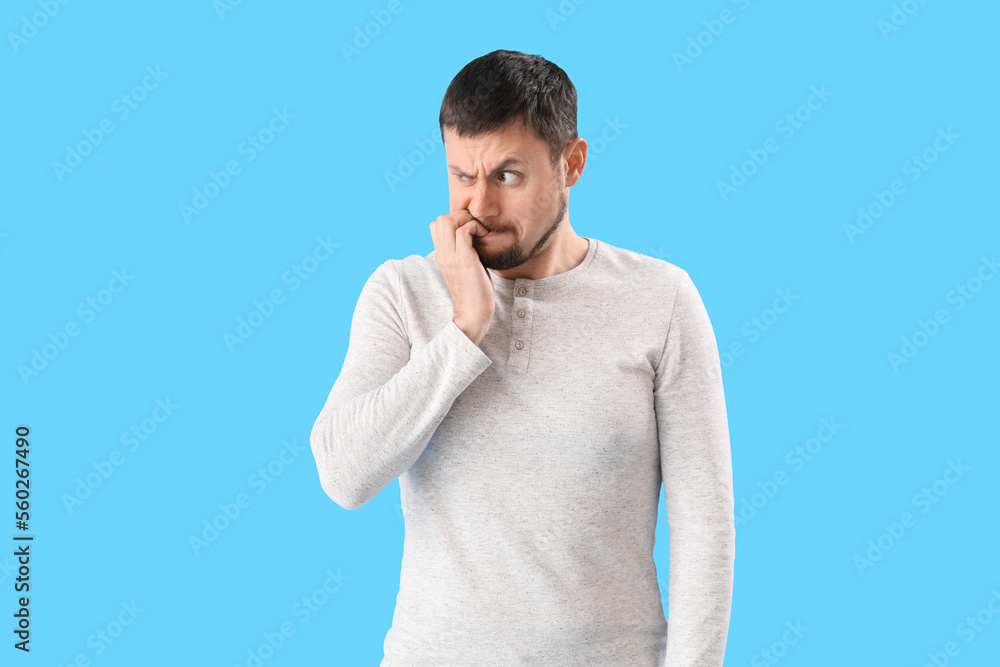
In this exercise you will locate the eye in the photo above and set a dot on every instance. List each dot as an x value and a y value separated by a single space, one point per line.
509 172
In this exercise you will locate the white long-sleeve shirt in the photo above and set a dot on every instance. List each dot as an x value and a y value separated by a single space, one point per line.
530 465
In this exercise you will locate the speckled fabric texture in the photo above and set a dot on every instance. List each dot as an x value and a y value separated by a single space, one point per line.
530 465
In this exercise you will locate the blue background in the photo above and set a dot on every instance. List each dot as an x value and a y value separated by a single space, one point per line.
651 185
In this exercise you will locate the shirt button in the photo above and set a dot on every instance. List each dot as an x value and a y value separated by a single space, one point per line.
521 291
520 313
519 345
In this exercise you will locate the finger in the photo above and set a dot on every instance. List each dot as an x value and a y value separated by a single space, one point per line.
462 215
463 237
443 233
475 228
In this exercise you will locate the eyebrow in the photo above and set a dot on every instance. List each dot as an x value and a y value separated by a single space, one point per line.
509 162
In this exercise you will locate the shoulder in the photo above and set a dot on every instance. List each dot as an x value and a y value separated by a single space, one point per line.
413 277
416 268
638 268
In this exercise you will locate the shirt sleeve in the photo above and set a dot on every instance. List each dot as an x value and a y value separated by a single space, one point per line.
696 465
386 403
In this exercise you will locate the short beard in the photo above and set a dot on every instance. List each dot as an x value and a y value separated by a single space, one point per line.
513 255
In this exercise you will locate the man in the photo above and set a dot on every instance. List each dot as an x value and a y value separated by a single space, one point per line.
532 389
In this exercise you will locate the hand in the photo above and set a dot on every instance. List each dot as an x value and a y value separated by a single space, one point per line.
468 281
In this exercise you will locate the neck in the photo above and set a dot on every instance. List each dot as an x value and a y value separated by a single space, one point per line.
564 251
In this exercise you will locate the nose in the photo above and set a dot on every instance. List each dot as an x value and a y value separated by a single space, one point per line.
482 200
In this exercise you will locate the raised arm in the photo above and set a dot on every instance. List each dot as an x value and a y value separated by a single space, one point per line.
697 474
386 404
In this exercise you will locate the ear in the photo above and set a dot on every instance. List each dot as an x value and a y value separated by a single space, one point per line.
574 159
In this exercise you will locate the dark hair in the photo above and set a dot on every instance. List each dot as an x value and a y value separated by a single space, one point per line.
502 86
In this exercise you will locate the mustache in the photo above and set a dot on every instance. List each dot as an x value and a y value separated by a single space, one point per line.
491 227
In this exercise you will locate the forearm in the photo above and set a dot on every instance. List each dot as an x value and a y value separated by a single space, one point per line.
698 480
702 563
363 441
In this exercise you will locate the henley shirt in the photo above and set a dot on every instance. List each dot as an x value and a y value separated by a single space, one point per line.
530 465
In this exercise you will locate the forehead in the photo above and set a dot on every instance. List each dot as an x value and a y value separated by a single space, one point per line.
513 141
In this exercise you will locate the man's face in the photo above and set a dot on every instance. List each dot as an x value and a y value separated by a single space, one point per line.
507 182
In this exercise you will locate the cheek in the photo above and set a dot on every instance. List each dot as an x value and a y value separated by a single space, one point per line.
538 204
